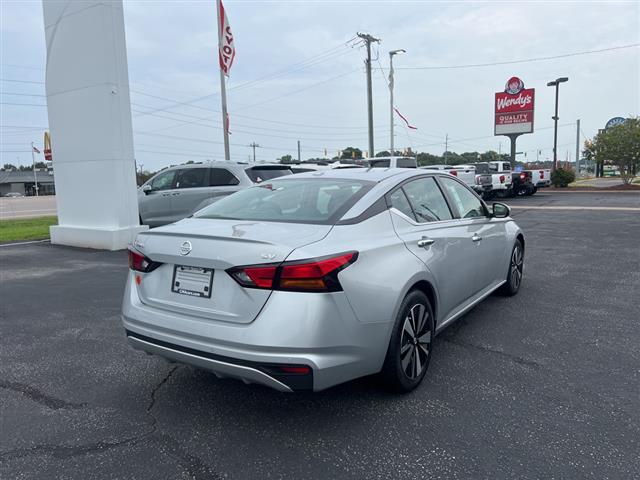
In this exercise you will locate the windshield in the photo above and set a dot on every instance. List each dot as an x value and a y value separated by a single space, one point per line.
306 200
260 174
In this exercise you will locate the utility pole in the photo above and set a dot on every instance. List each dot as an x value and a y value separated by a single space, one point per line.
446 147
391 85
367 40
223 93
556 83
298 151
254 145
577 146
33 161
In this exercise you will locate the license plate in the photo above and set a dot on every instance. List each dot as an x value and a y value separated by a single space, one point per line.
192 281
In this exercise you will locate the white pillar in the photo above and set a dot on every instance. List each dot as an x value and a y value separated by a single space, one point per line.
90 122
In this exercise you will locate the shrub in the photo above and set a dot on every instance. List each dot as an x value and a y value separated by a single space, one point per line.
562 177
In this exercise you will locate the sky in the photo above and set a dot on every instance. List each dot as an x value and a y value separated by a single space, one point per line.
299 75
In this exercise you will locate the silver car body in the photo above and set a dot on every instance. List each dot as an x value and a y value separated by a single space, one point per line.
212 181
341 335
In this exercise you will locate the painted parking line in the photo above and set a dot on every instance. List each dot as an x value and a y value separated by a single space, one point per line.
560 207
24 243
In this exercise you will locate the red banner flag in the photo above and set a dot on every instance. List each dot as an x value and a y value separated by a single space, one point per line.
226 46
405 120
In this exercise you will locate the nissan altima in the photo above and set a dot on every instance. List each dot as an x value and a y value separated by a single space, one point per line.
307 281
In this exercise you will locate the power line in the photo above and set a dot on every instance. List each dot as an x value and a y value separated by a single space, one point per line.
526 60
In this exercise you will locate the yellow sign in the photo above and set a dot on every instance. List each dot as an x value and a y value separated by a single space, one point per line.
47 147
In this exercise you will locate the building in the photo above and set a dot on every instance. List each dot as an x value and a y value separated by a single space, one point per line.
23 182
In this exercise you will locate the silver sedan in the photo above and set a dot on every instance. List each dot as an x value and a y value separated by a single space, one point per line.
311 280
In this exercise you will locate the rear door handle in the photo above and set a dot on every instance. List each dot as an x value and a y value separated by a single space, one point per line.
425 242
175 193
476 237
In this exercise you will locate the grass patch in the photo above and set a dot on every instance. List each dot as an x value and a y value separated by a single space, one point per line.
26 228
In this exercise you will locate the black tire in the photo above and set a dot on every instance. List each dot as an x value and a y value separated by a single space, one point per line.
402 370
521 191
535 189
514 275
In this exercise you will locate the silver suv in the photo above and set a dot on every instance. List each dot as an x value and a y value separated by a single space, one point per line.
177 192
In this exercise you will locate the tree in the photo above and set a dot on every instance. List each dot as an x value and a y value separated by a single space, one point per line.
351 153
428 159
619 146
385 153
41 165
9 166
286 159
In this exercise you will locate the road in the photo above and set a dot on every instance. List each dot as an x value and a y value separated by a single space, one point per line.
541 385
27 207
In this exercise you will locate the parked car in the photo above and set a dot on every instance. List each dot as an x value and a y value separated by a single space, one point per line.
13 195
521 184
313 167
177 192
540 178
391 162
311 280
480 182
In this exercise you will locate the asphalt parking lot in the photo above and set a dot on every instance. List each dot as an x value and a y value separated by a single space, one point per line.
542 385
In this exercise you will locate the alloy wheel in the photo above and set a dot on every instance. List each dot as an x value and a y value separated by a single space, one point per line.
517 260
415 341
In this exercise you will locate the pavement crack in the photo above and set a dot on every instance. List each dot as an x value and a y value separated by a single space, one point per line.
67 451
39 396
500 353
152 401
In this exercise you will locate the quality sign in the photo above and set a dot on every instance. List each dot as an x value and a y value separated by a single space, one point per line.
514 109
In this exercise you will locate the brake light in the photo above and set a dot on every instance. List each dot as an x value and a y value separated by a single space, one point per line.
453 172
501 178
522 176
541 174
314 275
140 263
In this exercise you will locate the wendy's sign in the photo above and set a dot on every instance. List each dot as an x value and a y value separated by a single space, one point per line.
513 109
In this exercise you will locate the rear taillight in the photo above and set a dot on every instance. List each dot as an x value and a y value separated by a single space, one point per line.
314 275
541 174
522 176
501 178
140 263
453 172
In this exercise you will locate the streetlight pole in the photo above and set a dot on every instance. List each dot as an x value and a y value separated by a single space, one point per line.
556 83
35 176
391 54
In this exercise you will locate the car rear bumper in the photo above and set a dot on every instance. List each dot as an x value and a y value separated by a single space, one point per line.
319 331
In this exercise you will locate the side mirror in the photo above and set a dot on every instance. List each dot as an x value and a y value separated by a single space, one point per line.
146 188
500 210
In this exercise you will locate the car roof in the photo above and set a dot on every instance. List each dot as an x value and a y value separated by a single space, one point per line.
230 164
370 174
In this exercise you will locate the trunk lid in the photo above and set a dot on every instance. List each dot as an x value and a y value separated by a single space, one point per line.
217 245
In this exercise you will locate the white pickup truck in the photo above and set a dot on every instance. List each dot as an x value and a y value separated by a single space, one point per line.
540 178
481 183
500 177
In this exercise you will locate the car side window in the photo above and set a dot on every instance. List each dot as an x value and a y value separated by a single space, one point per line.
468 205
191 178
220 177
399 201
163 181
427 200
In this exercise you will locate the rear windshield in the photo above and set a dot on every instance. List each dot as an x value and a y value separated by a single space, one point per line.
407 163
482 168
379 163
260 174
308 200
